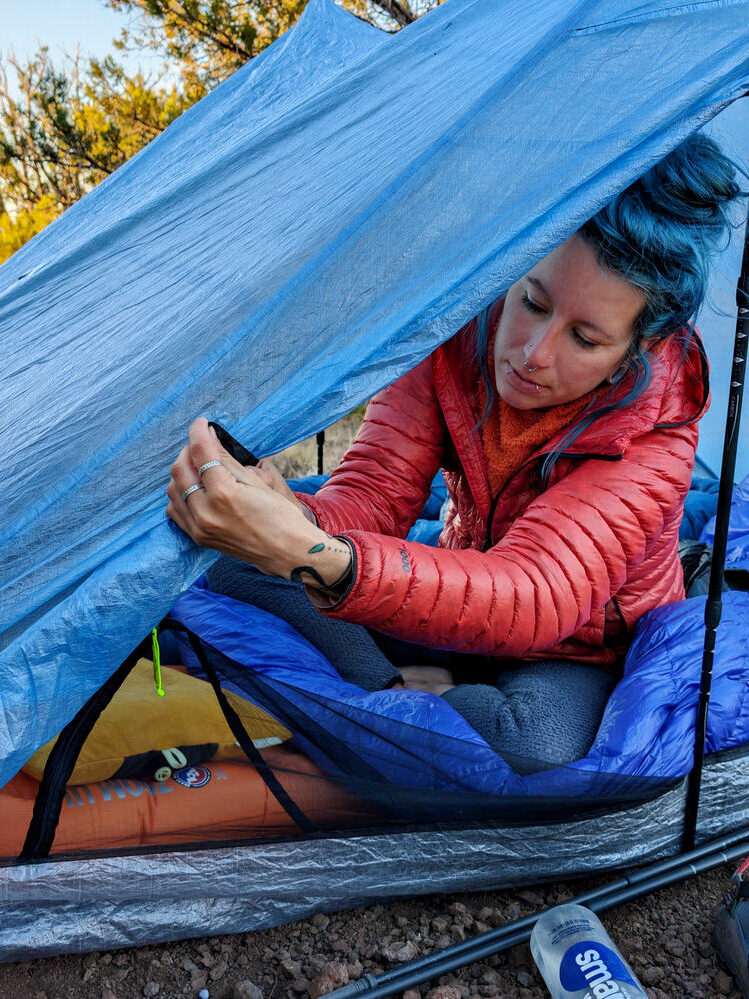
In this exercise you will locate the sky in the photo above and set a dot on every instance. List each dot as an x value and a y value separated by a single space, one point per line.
63 25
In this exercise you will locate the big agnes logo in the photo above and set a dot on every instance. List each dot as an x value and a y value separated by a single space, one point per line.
192 776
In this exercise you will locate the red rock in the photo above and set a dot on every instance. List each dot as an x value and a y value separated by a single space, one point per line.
331 976
444 992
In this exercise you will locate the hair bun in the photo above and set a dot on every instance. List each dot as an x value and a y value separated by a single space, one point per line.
660 232
693 186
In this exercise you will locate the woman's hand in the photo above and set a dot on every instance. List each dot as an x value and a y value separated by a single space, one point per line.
250 514
270 475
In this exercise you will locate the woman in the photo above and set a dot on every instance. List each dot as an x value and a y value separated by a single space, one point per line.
565 420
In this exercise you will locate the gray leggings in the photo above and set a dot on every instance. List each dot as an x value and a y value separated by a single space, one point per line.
536 715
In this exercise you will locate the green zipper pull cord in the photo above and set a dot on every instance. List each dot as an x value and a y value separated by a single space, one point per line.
157 663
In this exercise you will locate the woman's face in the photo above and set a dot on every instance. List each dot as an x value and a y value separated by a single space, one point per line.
566 327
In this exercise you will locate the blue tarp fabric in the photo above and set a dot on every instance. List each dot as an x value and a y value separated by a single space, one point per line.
313 228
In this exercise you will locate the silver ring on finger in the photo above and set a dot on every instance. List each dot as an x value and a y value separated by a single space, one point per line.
193 489
208 464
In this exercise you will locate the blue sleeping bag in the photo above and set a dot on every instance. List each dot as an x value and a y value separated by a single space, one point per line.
737 550
417 740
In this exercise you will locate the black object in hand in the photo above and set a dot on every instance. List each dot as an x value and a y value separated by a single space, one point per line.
238 451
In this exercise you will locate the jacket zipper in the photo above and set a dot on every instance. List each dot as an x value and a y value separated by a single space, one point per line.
531 461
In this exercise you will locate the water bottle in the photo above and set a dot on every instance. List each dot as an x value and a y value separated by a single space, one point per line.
578 959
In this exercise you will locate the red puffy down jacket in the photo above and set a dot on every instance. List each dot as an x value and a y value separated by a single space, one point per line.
563 572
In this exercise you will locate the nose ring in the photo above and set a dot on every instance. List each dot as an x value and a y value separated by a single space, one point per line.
531 348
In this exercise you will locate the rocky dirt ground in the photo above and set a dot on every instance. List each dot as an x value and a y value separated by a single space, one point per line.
666 936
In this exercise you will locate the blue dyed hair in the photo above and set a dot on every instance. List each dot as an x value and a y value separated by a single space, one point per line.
659 235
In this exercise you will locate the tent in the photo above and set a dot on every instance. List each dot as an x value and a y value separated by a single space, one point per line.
309 231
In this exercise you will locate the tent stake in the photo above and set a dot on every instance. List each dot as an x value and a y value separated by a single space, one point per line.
625 889
714 605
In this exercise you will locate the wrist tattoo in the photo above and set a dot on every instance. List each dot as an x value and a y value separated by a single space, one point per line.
296 575
337 585
322 547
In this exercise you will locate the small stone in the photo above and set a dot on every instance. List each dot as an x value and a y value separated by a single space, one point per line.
411 994
331 976
107 994
675 947
89 973
531 897
242 960
321 921
651 976
300 985
204 994
517 957
524 978
292 968
723 983
151 989
355 970
400 952
218 971
247 990
444 992
189 965
198 980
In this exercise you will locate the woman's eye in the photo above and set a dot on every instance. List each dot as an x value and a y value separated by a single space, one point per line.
583 341
530 305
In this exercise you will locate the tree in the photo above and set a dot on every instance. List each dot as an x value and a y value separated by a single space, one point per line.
209 39
72 127
68 131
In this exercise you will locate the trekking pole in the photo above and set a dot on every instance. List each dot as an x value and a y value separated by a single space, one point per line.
624 889
714 605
